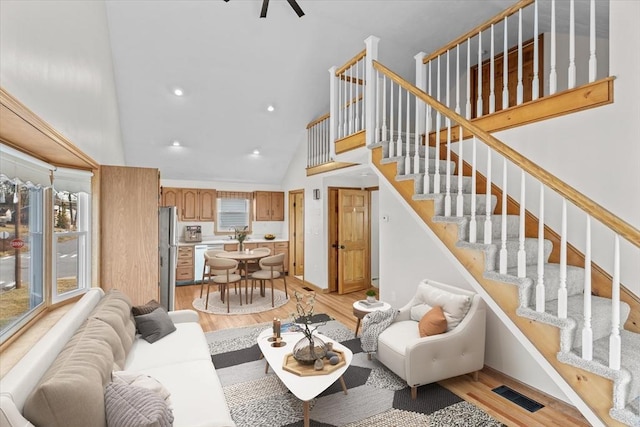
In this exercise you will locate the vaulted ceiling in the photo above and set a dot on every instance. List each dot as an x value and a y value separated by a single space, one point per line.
232 65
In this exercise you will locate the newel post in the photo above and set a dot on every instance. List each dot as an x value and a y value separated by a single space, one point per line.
333 112
370 89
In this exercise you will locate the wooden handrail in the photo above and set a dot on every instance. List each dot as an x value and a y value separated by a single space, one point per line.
353 101
352 61
618 225
507 12
318 120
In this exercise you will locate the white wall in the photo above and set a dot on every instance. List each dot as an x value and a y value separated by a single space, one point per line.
55 58
375 237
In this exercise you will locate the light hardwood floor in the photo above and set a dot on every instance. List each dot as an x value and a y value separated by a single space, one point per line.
340 307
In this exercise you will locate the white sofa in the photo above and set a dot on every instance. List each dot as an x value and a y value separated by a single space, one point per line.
423 360
180 361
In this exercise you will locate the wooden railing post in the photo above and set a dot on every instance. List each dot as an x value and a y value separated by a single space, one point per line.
333 112
370 88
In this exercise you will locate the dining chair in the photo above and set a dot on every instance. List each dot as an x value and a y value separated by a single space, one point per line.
223 274
252 265
206 270
271 267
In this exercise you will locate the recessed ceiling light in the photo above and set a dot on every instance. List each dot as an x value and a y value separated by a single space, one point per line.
270 108
178 92
256 151
176 143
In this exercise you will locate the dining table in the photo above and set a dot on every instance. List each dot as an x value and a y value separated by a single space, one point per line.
244 257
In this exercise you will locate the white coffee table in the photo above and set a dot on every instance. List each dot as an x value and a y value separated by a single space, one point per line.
304 388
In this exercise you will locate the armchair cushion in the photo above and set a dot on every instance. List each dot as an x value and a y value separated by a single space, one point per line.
455 306
432 323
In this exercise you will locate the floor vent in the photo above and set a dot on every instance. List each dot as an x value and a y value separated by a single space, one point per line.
306 288
517 398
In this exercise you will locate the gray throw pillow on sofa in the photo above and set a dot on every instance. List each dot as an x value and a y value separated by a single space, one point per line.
154 325
127 406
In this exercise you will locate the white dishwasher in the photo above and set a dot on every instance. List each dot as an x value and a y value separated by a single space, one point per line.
199 258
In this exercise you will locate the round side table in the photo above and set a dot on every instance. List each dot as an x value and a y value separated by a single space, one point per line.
360 310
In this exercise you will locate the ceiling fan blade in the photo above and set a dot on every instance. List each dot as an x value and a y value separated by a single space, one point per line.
265 5
296 7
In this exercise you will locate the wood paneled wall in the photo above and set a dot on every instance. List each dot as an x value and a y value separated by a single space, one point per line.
129 231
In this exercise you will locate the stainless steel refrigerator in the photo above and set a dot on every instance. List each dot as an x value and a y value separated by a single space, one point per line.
168 253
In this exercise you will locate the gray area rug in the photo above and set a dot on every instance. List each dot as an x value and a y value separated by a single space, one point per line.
259 304
377 397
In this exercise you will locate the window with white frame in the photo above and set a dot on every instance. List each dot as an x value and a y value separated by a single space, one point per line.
23 182
233 211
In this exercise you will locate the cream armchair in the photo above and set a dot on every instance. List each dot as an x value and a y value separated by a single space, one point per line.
458 351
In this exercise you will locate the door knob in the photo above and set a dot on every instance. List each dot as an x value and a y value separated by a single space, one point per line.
335 245
342 246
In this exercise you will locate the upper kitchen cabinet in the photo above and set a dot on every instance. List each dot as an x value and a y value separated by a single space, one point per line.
170 197
269 206
194 204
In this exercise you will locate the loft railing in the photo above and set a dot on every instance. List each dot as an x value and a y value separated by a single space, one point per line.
528 177
318 143
351 82
544 56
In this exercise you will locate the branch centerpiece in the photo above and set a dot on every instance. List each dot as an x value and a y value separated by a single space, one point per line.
310 348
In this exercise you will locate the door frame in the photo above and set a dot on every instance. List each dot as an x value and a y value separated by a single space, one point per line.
293 248
332 234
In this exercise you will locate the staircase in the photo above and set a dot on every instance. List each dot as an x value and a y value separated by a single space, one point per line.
597 384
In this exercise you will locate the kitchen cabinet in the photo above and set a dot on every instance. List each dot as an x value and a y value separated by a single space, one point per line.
170 197
193 204
230 247
128 206
279 248
269 206
184 268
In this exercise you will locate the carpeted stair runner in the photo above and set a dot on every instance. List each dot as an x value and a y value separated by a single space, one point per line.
626 390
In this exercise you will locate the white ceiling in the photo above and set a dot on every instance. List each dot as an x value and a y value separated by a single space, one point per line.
231 65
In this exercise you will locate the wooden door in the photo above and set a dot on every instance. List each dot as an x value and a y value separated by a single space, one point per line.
263 205
296 231
333 240
353 240
189 206
277 206
207 200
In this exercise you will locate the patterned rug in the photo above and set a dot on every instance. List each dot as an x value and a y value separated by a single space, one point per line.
377 397
259 304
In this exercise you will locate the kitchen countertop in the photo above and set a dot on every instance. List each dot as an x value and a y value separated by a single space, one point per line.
229 241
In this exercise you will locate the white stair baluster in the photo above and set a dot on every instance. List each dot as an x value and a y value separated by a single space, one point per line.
503 248
520 87
505 67
460 198
593 61
407 137
457 110
392 143
562 290
308 149
479 105
399 129
540 297
426 185
340 118
385 137
468 106
447 196
416 154
436 157
487 220
473 228
535 84
356 125
553 76
377 112
522 254
362 102
572 45
345 104
614 338
350 103
492 76
587 332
